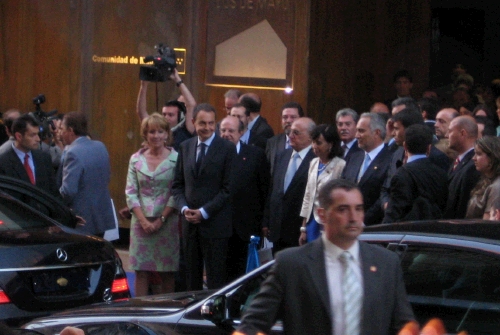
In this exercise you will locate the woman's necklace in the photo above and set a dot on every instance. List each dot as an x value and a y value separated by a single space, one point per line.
321 167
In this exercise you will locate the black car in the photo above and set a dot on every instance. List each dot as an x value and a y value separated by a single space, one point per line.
451 269
46 266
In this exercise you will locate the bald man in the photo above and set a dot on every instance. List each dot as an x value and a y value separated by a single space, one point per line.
443 119
463 175
282 220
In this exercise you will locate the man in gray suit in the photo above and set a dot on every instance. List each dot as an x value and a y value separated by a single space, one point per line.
85 176
335 284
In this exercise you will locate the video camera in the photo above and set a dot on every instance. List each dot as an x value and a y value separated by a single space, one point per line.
163 65
45 119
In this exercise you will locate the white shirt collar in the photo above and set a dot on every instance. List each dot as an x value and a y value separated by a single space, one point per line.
461 157
208 141
334 251
303 152
251 123
375 151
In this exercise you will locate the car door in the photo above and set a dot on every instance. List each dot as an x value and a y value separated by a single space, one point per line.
39 200
455 279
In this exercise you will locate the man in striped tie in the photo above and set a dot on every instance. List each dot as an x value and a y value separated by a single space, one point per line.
335 285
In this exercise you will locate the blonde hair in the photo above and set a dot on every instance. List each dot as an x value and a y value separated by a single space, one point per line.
156 120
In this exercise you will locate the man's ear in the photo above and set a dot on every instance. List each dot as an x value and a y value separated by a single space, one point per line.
18 136
321 213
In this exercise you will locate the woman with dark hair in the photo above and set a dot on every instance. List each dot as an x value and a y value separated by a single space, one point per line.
326 166
484 110
154 233
487 190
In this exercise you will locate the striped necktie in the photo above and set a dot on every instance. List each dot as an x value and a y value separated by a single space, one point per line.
352 297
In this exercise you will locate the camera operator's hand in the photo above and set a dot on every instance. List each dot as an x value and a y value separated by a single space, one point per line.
175 76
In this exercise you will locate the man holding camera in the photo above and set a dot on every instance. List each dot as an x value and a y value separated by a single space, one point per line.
176 112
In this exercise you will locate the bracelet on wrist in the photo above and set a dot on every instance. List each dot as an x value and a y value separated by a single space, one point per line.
179 83
303 229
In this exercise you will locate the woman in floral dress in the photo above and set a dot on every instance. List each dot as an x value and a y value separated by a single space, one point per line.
154 233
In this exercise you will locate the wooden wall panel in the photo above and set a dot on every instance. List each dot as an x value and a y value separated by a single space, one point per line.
235 16
358 46
343 53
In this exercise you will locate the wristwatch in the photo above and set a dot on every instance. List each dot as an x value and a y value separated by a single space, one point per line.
303 229
179 83
163 219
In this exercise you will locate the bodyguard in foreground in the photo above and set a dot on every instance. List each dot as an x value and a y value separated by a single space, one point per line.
336 284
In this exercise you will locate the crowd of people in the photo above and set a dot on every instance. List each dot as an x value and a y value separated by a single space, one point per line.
196 190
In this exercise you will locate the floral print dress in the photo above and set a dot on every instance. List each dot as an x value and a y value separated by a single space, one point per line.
152 191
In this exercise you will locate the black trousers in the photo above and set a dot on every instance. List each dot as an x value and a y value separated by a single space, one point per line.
208 252
237 257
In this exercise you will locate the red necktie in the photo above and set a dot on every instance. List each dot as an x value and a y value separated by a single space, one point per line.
28 169
455 163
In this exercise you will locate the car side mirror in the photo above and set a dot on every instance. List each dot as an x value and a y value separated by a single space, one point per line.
214 309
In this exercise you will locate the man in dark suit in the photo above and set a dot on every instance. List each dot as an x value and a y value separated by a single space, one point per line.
249 187
401 121
86 173
24 160
260 130
369 167
462 176
290 112
282 220
336 284
419 189
346 120
202 191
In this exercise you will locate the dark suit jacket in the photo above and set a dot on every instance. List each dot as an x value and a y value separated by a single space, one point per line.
461 182
296 291
371 182
210 188
418 178
354 148
275 145
260 133
282 215
436 157
249 187
11 166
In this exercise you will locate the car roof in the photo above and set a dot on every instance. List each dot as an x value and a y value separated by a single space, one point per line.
465 228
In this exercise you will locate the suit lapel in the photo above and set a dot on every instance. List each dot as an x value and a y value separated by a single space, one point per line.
280 169
303 169
281 143
374 166
317 271
371 283
17 166
462 163
328 171
354 165
191 155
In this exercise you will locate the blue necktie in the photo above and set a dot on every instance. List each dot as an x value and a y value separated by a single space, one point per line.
364 167
292 168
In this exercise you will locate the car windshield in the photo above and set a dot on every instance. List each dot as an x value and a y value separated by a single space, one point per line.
15 216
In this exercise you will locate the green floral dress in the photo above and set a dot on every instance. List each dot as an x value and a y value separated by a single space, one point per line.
152 191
